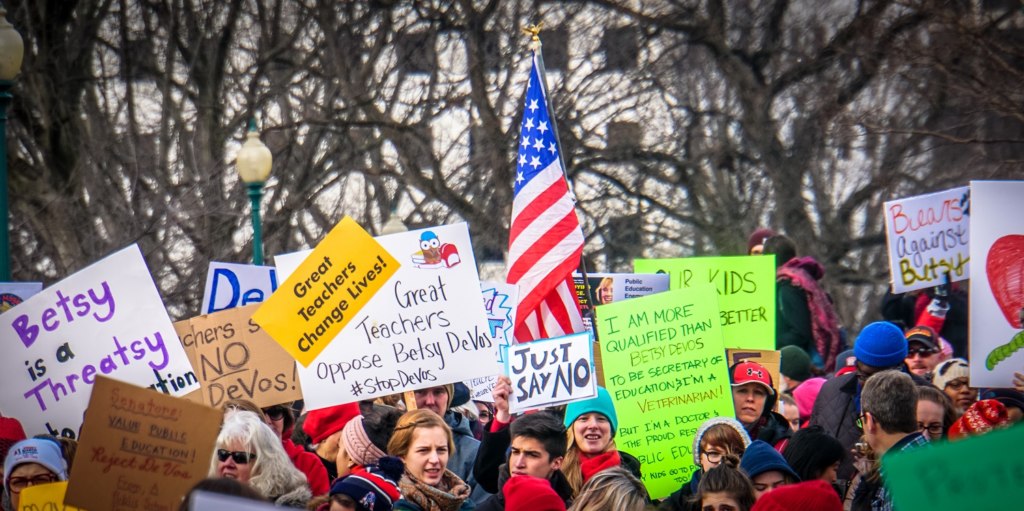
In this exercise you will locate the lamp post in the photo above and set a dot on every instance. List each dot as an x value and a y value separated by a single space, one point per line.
12 49
253 163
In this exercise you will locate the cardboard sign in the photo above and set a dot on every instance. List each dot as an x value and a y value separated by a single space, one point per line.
551 372
230 285
746 293
425 328
235 359
981 472
13 293
45 497
107 319
928 236
665 367
328 289
140 449
997 282
605 288
500 303
771 360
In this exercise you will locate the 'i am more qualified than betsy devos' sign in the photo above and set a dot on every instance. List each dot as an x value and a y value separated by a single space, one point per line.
425 325
107 319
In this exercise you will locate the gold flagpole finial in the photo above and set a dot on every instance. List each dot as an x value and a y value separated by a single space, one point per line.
534 32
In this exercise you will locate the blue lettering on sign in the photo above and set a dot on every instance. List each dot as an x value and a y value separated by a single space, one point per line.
236 297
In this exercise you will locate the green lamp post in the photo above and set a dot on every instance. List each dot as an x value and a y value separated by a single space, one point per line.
253 163
12 49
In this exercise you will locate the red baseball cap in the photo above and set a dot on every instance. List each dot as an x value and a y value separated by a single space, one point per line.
751 372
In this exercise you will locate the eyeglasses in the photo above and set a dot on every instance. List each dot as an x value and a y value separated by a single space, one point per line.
935 430
713 457
239 457
860 420
20 483
275 413
957 384
923 352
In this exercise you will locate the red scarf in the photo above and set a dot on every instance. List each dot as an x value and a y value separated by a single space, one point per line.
591 465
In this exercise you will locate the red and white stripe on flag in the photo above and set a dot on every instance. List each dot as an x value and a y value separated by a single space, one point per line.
545 239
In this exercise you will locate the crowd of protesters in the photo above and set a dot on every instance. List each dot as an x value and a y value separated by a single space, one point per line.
812 440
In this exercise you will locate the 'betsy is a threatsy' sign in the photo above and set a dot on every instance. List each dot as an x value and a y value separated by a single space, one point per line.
326 291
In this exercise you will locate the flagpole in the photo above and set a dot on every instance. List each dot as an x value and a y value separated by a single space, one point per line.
535 46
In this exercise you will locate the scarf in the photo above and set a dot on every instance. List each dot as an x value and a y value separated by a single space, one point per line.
803 273
591 465
448 495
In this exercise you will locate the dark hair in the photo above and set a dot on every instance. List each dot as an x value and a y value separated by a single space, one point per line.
727 478
933 394
286 412
543 428
783 248
811 451
223 486
379 423
299 437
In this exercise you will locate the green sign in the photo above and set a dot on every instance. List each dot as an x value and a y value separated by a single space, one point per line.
982 472
746 293
664 365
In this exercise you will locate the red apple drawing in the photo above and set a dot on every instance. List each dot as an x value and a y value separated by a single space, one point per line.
1005 268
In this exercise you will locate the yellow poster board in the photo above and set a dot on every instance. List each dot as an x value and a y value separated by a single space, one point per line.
45 497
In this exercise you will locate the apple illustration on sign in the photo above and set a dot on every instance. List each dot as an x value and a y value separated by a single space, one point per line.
1005 269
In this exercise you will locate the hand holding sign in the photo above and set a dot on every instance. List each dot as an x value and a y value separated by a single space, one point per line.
551 372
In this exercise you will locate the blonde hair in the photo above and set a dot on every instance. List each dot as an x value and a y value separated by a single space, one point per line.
614 488
272 471
571 463
401 440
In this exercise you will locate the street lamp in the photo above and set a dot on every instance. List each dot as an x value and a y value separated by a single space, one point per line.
253 162
12 49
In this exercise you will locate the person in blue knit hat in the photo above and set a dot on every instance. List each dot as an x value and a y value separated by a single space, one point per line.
590 426
879 346
766 468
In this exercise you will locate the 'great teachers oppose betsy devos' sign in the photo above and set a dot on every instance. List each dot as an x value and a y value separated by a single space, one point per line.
745 286
107 319
425 327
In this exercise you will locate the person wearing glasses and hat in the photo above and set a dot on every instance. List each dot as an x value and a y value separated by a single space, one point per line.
754 399
29 463
923 351
249 451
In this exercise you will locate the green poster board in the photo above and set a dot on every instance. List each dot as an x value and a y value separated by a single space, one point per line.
982 472
664 365
746 292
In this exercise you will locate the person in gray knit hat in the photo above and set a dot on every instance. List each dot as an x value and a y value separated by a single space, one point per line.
715 438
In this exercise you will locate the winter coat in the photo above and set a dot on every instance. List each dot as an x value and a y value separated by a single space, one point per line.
462 460
683 499
309 464
298 497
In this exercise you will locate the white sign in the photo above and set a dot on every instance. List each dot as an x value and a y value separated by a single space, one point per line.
997 282
500 302
551 372
13 293
107 319
928 237
425 328
230 285
210 501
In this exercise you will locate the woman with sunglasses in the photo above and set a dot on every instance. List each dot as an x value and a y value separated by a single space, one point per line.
249 451
30 463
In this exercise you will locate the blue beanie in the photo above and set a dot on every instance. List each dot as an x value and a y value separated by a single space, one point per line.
760 457
881 344
602 404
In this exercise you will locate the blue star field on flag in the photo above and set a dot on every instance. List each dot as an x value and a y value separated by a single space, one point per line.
537 146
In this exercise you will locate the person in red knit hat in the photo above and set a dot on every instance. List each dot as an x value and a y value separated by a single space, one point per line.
324 428
980 418
814 495
531 493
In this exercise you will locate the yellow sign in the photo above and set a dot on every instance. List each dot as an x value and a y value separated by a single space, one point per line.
326 291
45 497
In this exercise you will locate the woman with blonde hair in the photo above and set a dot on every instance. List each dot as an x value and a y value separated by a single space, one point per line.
614 488
424 442
590 428
249 451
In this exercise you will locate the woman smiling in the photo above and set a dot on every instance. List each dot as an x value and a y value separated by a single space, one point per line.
591 426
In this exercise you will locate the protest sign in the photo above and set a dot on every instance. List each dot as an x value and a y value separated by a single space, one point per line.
209 501
44 497
551 372
981 472
13 293
500 304
745 287
235 359
770 360
605 288
425 328
665 367
107 319
230 285
325 291
927 236
997 282
140 449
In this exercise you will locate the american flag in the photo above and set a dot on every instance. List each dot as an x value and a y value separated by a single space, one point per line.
545 239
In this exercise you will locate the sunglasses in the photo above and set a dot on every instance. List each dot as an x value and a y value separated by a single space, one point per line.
239 457
924 352
275 413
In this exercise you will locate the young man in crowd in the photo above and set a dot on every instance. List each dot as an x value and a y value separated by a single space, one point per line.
923 351
537 450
